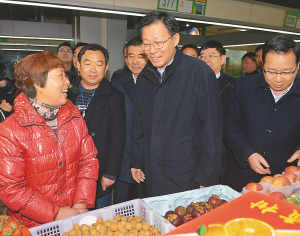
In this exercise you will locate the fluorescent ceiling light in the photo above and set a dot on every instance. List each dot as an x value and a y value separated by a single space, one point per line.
21 37
238 26
72 8
140 14
28 44
21 49
242 45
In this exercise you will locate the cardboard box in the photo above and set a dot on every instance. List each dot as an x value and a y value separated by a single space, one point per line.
283 217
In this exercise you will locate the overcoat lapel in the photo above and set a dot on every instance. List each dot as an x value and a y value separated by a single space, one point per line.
129 87
98 101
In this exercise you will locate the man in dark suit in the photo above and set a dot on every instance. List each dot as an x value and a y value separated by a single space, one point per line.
136 60
176 134
262 120
213 53
103 109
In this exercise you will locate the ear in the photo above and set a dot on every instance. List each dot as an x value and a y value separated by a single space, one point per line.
223 59
176 38
37 88
106 67
78 65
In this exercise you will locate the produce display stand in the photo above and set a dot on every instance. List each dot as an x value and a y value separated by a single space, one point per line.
134 208
283 217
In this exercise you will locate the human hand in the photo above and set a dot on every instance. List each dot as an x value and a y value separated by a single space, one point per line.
294 157
80 207
65 212
5 106
138 175
105 183
259 164
201 186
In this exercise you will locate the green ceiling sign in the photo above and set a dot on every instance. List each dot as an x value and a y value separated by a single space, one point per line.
292 20
186 6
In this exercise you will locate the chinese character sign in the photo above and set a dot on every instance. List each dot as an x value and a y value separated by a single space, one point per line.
187 6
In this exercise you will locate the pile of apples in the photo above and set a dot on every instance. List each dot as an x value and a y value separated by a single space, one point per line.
280 186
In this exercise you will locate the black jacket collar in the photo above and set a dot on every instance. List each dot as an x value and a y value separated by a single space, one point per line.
150 72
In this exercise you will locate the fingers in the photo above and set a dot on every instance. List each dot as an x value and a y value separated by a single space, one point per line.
294 157
259 164
138 175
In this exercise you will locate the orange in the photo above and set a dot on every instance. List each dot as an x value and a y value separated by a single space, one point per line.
248 227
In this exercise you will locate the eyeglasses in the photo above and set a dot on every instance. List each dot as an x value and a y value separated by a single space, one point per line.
273 73
210 57
157 45
66 51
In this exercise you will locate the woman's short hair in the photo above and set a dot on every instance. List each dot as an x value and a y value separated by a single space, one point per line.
33 69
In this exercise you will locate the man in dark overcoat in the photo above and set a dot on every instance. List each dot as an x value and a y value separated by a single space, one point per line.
126 188
103 109
176 135
262 122
214 55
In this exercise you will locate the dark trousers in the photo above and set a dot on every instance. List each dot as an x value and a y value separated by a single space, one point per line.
124 191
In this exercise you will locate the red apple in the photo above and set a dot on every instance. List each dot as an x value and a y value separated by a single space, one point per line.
291 169
278 195
292 177
267 179
254 187
281 181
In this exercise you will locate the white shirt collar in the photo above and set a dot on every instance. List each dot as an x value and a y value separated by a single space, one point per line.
134 79
276 98
218 75
161 71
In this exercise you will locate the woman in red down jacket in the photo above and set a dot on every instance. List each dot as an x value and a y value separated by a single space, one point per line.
48 169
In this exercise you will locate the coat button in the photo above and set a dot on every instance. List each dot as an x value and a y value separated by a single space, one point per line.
263 151
266 89
59 193
93 134
63 132
268 130
50 133
60 163
273 109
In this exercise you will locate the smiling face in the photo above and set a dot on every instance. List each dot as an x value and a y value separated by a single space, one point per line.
276 62
136 59
54 93
157 32
92 68
213 59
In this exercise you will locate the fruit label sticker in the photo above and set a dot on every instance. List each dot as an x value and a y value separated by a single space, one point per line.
262 205
292 218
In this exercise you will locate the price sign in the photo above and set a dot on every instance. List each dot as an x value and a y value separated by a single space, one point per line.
170 5
292 19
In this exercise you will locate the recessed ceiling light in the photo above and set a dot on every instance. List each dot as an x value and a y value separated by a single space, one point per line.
187 25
